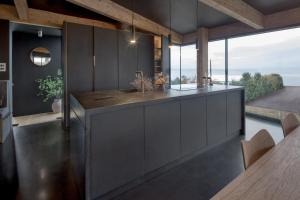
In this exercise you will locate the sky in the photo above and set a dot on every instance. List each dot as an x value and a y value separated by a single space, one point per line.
274 52
279 49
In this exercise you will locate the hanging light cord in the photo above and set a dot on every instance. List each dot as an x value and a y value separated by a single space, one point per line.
132 13
170 12
197 15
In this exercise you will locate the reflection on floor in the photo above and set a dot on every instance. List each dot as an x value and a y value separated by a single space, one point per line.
42 157
36 119
253 125
42 166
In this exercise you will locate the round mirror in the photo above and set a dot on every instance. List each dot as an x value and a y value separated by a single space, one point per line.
40 56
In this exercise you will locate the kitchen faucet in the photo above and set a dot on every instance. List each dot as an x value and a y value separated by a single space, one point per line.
141 75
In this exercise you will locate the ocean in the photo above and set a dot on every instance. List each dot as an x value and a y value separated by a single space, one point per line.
290 76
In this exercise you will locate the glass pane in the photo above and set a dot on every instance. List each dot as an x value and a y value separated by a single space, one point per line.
188 67
267 65
175 67
268 53
216 61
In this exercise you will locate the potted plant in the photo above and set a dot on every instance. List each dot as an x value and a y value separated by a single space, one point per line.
50 88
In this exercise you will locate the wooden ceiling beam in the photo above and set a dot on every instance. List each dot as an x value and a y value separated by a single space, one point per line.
280 20
22 9
239 10
45 18
124 15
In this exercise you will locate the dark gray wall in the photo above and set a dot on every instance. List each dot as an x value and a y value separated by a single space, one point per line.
25 89
4 48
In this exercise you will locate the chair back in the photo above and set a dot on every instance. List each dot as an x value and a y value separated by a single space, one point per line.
256 147
289 123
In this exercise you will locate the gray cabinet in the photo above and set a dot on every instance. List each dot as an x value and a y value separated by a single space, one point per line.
193 124
146 54
77 151
106 59
116 149
216 118
165 56
162 134
234 112
78 62
127 60
79 57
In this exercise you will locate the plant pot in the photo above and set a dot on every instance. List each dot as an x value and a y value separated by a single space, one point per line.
56 106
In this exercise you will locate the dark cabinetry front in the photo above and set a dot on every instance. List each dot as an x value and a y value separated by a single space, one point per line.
234 112
146 54
77 151
165 56
117 149
102 59
106 59
79 57
128 60
162 134
193 124
216 118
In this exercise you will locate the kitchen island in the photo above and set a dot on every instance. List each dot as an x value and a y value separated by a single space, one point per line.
122 138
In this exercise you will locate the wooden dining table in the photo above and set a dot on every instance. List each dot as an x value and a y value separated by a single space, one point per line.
276 175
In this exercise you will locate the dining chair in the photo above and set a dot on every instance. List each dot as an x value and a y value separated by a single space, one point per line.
289 123
260 143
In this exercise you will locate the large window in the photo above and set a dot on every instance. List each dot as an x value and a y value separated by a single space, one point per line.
216 61
184 67
268 53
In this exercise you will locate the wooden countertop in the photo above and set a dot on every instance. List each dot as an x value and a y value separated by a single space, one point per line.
104 99
274 176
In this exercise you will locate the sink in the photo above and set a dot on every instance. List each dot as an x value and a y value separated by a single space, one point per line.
103 98
129 90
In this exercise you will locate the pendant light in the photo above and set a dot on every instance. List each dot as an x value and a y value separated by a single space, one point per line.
170 26
133 36
197 41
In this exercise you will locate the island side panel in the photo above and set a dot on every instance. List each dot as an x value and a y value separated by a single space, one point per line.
234 112
193 124
116 149
216 118
162 134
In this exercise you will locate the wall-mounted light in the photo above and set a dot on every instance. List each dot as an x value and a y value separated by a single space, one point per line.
40 33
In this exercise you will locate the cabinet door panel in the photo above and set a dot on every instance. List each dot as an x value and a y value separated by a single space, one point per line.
146 54
234 112
193 124
106 55
79 57
162 134
216 118
165 56
127 60
117 149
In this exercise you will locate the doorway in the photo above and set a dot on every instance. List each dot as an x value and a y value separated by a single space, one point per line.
36 74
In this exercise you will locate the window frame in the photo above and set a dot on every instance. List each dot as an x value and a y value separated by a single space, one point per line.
180 60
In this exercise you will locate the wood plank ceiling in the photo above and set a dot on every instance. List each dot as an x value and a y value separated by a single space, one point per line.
212 14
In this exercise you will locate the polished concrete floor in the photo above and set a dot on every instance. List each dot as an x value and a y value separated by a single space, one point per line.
41 170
